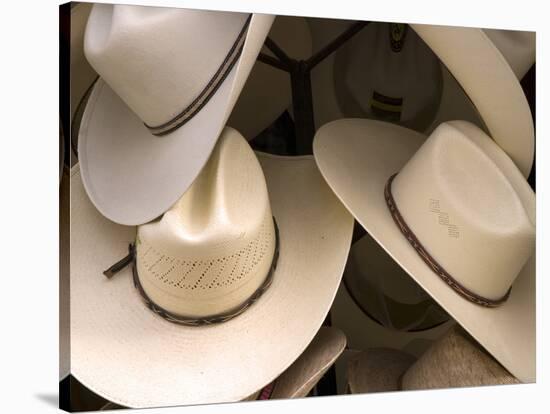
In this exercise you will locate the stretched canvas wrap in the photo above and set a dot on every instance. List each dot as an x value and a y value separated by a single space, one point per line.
258 207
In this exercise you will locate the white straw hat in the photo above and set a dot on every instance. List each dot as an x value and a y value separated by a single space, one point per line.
219 248
295 382
304 373
267 92
455 360
490 86
466 209
169 80
487 65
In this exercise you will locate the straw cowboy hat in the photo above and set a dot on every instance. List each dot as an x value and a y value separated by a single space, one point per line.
295 382
238 260
455 360
459 218
169 80
487 94
267 92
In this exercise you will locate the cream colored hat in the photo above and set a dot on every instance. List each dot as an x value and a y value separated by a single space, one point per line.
490 86
458 217
201 264
296 382
169 80
267 92
453 361
487 65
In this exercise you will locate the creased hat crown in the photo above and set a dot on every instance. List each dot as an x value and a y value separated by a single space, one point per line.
214 248
159 60
470 207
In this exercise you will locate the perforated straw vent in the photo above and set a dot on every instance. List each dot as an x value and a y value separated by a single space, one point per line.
212 273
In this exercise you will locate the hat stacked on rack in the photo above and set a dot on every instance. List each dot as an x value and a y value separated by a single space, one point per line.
242 274
455 360
297 381
458 217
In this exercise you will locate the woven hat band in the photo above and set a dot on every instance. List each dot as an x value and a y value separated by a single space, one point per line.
210 89
181 320
430 261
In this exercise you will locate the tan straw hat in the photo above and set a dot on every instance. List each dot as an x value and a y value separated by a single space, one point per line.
237 261
267 93
169 80
459 218
455 360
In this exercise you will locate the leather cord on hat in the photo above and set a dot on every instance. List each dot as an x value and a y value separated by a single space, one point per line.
210 89
181 320
430 261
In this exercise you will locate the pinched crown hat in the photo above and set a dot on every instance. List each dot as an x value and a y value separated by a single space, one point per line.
169 80
255 248
455 213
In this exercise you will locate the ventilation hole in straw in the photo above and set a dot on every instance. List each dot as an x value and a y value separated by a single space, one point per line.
209 273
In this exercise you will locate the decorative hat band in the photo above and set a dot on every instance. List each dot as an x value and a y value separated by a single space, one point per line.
202 99
429 260
180 320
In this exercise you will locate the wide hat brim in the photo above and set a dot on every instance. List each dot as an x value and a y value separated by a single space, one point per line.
132 176
490 83
357 157
133 357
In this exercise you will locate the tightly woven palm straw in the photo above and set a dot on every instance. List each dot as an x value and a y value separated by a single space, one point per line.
455 360
169 80
131 356
357 157
266 93
304 373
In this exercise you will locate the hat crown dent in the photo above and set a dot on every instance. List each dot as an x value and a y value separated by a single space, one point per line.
214 248
470 207
158 60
